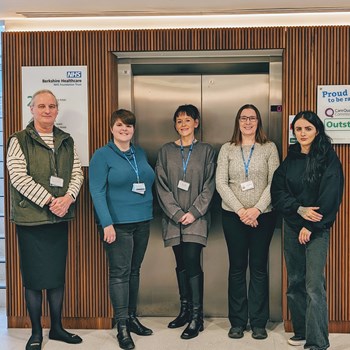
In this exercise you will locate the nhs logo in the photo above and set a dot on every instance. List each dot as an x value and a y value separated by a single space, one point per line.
74 74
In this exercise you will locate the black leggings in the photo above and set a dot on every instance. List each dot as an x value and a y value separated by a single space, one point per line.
188 257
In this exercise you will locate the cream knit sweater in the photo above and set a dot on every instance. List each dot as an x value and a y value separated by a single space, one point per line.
230 174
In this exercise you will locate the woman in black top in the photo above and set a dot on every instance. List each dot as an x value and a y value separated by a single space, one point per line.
307 190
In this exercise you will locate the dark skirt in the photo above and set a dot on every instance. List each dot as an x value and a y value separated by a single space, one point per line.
43 252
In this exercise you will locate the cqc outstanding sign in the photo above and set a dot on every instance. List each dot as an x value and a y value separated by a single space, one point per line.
333 107
69 84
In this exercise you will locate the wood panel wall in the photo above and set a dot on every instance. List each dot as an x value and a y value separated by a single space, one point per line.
312 56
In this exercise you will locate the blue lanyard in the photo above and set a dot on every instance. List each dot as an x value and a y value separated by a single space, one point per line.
134 167
246 164
185 162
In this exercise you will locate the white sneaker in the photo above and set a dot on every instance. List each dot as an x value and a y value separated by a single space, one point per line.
296 340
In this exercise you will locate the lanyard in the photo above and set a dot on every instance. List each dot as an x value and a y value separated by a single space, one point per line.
185 162
246 164
134 166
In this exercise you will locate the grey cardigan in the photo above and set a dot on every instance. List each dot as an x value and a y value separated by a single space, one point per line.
176 202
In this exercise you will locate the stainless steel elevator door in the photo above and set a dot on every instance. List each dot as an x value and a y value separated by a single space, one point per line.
222 96
155 101
218 97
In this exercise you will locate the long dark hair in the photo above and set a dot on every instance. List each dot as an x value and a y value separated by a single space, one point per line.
317 156
260 136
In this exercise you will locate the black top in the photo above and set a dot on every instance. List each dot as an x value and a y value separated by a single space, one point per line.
289 192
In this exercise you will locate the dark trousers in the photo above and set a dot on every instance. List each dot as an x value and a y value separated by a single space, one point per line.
248 245
188 258
306 294
125 256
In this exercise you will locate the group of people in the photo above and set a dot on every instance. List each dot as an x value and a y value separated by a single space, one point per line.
306 189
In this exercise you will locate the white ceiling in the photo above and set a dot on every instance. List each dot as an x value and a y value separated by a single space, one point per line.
38 8
169 11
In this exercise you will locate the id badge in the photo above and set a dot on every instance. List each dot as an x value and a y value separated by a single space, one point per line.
139 188
56 181
248 185
183 185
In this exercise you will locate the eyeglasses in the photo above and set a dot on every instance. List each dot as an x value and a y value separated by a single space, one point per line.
245 119
42 107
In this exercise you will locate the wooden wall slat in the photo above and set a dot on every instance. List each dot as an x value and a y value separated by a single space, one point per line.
311 56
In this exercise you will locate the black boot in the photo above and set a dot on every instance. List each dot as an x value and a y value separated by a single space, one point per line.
123 336
184 315
137 327
196 323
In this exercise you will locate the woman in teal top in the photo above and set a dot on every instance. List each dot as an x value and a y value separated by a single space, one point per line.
121 188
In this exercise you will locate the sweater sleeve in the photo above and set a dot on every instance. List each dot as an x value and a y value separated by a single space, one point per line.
330 194
222 181
19 177
77 177
201 204
273 163
98 182
282 200
166 198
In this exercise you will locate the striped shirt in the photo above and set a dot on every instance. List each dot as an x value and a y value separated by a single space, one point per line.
25 184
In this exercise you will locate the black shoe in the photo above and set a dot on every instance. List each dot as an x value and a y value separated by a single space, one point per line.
296 340
236 332
64 336
259 333
193 328
183 317
124 339
136 327
34 343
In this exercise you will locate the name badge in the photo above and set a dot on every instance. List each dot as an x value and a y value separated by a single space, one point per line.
248 185
56 181
183 185
139 188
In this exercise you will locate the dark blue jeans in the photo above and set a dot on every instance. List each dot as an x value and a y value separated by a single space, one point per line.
306 294
125 256
248 245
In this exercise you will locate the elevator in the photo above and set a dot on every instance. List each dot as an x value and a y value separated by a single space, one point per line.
153 85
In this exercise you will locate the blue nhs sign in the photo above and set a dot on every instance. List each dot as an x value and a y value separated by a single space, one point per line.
74 74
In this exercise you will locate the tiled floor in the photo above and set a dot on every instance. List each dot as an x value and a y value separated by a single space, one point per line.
214 337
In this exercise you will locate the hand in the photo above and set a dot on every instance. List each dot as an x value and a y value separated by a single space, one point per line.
60 205
304 236
187 219
109 234
254 223
249 216
310 213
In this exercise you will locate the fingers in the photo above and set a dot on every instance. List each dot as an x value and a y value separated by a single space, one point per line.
304 236
312 215
187 219
110 235
250 222
59 211
60 206
110 238
250 214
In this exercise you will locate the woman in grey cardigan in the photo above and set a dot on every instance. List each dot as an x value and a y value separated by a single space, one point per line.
245 168
185 185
